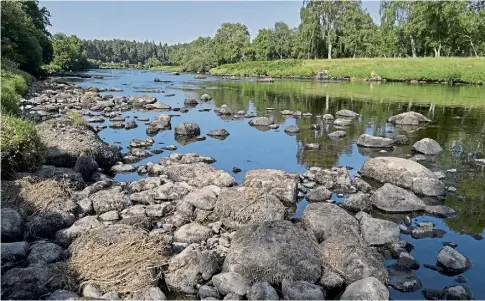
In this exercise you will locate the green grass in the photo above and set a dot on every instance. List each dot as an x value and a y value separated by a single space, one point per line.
468 70
168 68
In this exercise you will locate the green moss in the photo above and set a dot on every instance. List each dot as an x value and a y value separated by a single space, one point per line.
469 70
21 147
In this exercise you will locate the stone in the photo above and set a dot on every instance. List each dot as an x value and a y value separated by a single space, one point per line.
312 146
334 178
144 184
452 261
66 175
86 166
425 230
262 290
123 168
190 101
324 220
192 232
205 97
301 290
91 291
337 135
357 202
427 146
14 251
231 282
204 198
328 117
368 288
273 181
62 294
218 133
393 199
407 261
197 174
131 125
12 225
45 252
46 224
428 186
377 232
111 296
319 194
401 140
292 129
109 199
403 279
272 251
347 113
408 118
187 129
110 216
331 281
440 210
65 236
206 291
343 122
194 265
366 140
238 206
457 292
261 122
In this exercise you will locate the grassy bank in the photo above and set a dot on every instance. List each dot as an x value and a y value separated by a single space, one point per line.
141 67
20 145
468 70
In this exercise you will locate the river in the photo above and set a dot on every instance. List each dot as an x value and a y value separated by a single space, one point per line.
458 113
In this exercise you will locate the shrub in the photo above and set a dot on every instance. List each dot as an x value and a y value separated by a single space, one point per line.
21 147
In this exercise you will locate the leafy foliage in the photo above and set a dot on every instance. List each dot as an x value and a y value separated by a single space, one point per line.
68 52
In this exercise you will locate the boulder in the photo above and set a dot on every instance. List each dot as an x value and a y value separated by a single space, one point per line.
408 118
197 174
12 225
272 251
319 194
150 293
337 135
452 261
187 129
368 288
238 206
346 113
342 122
109 199
206 291
427 146
334 178
218 133
191 233
262 290
194 265
190 101
61 174
301 290
231 282
393 199
401 140
407 260
205 97
14 251
377 232
357 202
224 110
328 117
63 295
403 279
440 210
366 140
65 236
260 121
86 165
204 198
273 181
45 252
324 220
46 224
292 129
65 142
428 186
161 122
331 281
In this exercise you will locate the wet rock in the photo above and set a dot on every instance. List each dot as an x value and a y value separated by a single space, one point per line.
65 142
407 261
86 166
297 113
377 232
301 290
274 126
14 251
218 133
205 97
328 117
224 110
194 265
262 290
236 169
193 232
425 230
458 292
396 171
231 282
361 185
324 220
452 261
190 101
342 122
408 118
427 146
401 140
319 194
357 202
260 121
121 167
312 146
286 112
334 178
368 288
273 181
117 125
109 199
292 129
419 158
374 141
135 143
12 225
187 129
131 125
238 206
157 106
273 251
347 113
63 295
337 135
403 279
428 186
440 210
393 199
461 279
169 147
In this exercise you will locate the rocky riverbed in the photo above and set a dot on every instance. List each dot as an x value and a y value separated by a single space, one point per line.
187 229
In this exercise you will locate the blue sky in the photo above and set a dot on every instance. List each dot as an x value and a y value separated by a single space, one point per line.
170 22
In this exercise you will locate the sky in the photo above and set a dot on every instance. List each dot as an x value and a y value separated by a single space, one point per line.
170 22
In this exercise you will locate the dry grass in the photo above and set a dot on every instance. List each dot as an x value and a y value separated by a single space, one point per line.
118 258
33 196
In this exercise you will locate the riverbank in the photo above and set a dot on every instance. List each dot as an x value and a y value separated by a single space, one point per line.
466 70
140 67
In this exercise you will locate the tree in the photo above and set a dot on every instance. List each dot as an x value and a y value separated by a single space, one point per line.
231 40
280 40
261 45
153 62
68 52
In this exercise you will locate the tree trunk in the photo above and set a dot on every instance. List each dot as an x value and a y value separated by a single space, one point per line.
329 49
413 46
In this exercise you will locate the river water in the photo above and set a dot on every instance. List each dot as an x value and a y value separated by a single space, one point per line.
458 112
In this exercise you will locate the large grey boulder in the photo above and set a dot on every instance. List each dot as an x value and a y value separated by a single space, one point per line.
262 291
65 142
428 186
45 252
238 206
14 251
261 121
337 135
196 174
452 260
292 129
204 198
46 224
273 181
393 199
218 133
187 129
357 202
86 166
427 146
231 282
352 258
342 122
65 236
397 171
366 140
408 118
12 225
301 290
109 199
161 122
194 265
368 288
273 251
193 232
324 220
377 232
403 279
334 178
319 194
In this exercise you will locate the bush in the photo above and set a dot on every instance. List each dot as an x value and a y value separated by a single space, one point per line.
13 85
21 147
51 68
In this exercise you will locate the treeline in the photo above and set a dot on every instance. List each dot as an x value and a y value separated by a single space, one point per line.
328 29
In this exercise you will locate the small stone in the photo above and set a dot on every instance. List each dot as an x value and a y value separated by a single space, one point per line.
262 291
91 291
231 282
407 261
301 290
452 260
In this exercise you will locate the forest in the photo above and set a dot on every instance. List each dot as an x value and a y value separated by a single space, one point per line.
328 29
